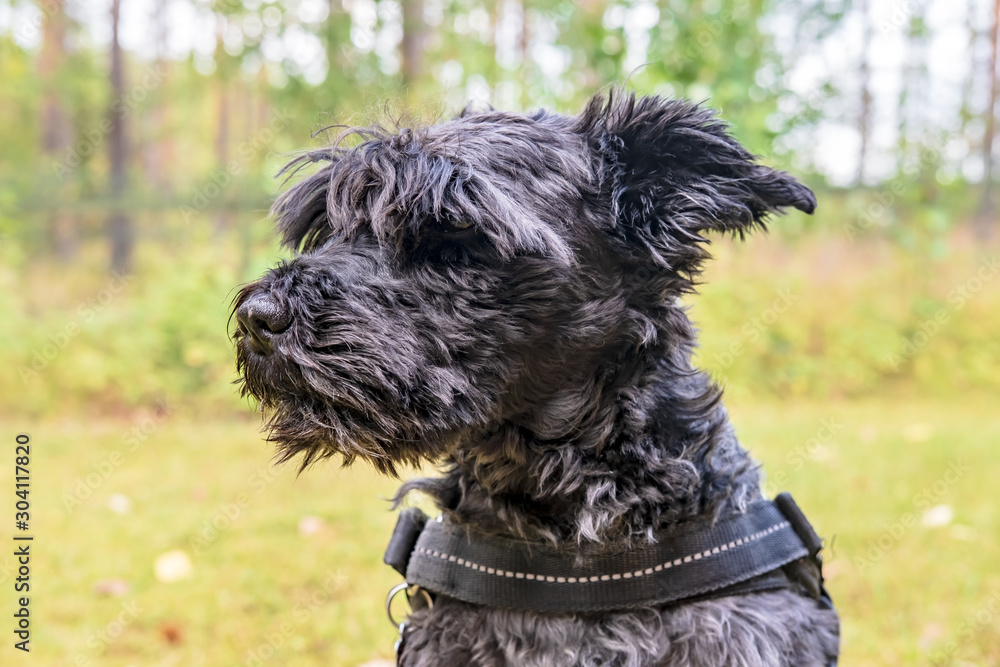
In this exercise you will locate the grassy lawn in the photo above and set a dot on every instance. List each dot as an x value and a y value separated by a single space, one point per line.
264 591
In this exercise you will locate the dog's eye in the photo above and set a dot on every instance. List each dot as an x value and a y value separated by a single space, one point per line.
454 226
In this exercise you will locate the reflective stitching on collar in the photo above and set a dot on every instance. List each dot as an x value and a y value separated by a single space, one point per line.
606 577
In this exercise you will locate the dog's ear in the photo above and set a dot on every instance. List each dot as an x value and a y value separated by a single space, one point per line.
674 171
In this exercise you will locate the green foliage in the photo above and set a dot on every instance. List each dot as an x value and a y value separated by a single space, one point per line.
177 107
712 52
826 317
21 97
189 122
109 342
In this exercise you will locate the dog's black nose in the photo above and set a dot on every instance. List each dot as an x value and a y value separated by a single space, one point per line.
261 317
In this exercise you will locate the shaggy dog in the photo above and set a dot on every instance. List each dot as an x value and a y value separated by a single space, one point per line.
500 294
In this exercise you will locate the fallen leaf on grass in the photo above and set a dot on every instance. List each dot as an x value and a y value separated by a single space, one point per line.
311 525
173 566
113 587
119 504
833 569
932 632
171 633
939 515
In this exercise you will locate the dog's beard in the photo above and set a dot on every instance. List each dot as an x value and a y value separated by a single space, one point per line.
314 412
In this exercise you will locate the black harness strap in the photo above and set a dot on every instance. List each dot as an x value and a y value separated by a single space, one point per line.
760 549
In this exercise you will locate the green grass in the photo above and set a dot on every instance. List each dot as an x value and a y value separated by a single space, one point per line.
259 582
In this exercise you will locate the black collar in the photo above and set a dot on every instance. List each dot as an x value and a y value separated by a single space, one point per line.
770 545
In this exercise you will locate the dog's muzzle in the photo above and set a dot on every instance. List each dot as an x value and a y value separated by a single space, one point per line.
261 318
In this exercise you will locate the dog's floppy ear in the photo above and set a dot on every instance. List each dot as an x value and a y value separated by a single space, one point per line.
674 170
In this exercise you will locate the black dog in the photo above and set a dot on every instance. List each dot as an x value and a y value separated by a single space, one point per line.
499 293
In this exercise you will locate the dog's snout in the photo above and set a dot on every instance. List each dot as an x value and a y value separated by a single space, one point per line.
262 317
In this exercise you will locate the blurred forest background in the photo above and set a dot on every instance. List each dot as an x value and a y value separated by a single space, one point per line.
860 347
142 138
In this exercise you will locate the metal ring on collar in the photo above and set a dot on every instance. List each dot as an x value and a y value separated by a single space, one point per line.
410 592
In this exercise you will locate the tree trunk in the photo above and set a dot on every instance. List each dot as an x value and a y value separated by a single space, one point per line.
973 33
119 225
413 43
985 223
864 117
56 130
913 131
158 147
222 216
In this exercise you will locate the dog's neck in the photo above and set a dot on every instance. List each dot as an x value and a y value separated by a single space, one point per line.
659 453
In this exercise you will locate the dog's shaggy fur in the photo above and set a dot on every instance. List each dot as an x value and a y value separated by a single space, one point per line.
499 293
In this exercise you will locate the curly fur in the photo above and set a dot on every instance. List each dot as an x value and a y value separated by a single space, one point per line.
499 294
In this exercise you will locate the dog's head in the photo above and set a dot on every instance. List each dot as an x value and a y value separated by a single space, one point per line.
497 273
